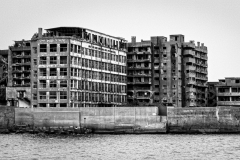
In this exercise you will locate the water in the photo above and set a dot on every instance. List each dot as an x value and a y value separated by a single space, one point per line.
126 147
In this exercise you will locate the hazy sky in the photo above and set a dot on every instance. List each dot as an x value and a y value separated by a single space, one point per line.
216 23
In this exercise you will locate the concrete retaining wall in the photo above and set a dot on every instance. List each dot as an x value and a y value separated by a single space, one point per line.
99 119
6 117
204 119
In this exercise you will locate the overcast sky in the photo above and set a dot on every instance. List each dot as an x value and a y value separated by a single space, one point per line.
216 23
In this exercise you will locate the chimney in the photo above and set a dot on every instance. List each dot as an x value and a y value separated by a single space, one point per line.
202 44
198 44
39 32
134 39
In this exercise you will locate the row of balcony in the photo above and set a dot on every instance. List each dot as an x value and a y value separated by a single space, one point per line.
228 103
138 60
21 56
139 75
21 77
201 71
139 67
228 94
21 64
201 64
201 57
137 52
22 48
140 82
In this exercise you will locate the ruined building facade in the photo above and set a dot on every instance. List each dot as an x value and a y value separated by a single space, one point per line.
18 91
167 72
3 75
212 94
228 91
77 67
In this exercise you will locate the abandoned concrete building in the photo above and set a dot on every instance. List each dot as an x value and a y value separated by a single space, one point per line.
228 91
18 91
212 94
77 67
167 72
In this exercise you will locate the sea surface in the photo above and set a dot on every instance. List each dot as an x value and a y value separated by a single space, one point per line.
126 147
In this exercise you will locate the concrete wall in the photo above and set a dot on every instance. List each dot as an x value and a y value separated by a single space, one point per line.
6 117
99 119
47 117
204 119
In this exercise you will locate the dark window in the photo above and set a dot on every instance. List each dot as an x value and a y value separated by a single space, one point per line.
42 72
63 95
52 105
42 84
63 59
34 84
53 47
63 71
53 60
63 47
53 83
53 71
52 95
42 95
63 104
43 60
35 61
42 104
43 47
34 96
63 83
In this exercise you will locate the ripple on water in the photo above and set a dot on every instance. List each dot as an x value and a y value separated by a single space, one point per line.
26 146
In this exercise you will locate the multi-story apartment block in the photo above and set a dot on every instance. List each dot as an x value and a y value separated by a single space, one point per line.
228 92
167 72
77 67
140 67
195 72
19 71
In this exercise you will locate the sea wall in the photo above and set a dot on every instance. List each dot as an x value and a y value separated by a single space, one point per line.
98 119
203 120
6 118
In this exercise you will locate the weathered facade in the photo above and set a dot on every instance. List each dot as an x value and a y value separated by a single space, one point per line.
167 72
3 75
228 92
19 74
77 67
212 94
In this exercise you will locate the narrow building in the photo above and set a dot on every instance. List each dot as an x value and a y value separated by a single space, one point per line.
18 91
77 67
170 73
212 94
3 75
